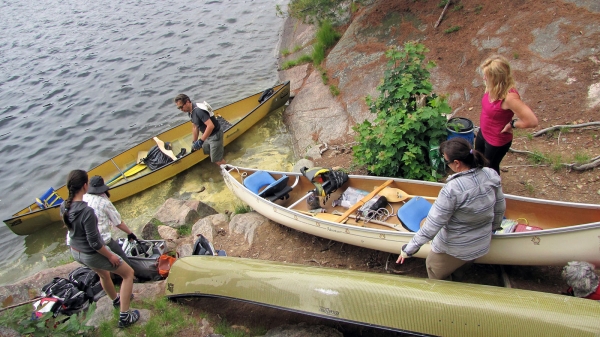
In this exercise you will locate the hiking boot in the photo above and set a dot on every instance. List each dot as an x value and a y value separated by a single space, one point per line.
117 301
128 318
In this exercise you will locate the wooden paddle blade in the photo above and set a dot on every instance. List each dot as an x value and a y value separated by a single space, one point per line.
161 146
393 194
328 217
323 216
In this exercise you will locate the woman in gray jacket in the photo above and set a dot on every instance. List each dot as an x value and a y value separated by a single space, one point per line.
460 223
88 248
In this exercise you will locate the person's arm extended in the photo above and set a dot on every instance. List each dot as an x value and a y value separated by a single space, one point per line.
525 116
195 132
209 127
438 217
122 226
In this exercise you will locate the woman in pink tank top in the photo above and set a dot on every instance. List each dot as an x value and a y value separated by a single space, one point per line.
501 111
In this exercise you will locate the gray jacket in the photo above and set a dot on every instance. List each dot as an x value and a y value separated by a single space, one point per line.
85 236
461 220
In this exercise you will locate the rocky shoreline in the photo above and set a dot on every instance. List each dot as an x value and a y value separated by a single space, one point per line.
356 65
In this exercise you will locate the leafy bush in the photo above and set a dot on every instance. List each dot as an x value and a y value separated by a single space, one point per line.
397 142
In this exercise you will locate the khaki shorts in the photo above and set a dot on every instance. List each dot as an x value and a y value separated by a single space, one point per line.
94 260
214 146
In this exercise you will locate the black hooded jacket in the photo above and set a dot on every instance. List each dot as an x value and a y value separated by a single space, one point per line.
85 236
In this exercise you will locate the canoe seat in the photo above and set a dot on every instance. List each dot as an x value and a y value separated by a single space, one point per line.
49 199
413 212
273 189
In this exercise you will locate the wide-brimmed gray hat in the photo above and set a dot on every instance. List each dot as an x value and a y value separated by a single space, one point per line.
97 185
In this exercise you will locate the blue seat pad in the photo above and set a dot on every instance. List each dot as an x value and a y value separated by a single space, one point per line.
258 180
413 212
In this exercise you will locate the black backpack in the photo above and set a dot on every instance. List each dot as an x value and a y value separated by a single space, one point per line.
87 281
156 159
70 299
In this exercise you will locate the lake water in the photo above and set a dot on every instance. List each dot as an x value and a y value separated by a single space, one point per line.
83 81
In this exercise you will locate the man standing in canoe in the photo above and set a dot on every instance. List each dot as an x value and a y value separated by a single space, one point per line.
206 130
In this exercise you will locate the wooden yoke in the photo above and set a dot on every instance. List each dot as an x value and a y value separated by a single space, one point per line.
364 200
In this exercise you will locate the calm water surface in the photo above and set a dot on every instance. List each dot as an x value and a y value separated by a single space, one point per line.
83 81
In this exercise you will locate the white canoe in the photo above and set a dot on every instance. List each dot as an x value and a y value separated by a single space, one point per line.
570 231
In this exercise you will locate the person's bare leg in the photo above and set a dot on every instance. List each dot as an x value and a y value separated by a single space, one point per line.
107 283
126 272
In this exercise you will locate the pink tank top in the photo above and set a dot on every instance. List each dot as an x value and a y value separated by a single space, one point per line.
493 119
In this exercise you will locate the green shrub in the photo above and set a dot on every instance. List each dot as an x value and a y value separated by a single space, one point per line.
397 142
478 9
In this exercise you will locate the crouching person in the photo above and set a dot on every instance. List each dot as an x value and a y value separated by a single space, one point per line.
582 280
88 248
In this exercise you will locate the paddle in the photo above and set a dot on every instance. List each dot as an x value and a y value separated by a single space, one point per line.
395 195
333 217
364 200
161 146
136 169
324 216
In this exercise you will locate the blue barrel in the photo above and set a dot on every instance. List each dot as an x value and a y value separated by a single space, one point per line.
461 127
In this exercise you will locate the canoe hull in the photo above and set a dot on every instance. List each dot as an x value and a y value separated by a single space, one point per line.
242 115
391 302
551 246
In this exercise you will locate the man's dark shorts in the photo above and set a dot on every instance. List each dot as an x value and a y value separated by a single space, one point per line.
214 146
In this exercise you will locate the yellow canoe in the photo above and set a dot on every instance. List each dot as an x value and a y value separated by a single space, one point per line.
391 302
240 116
569 231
